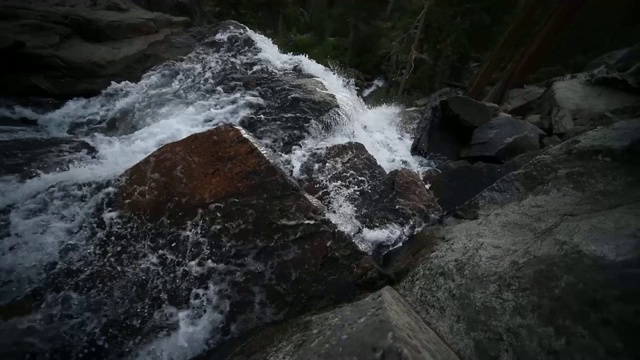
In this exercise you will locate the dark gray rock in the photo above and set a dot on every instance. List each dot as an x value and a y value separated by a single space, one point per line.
627 81
540 122
577 102
457 183
550 268
495 108
381 326
78 51
347 175
618 60
551 141
434 136
519 102
26 158
502 138
192 9
466 112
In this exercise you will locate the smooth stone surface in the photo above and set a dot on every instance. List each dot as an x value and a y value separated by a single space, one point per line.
501 139
381 326
549 268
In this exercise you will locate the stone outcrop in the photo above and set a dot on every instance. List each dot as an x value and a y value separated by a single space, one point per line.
522 100
346 175
433 135
64 51
577 102
456 183
381 326
462 111
209 216
549 268
503 138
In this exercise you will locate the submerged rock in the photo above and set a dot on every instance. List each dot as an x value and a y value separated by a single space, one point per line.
550 268
380 326
456 183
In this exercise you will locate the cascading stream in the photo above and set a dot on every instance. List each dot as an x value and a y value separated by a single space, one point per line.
46 215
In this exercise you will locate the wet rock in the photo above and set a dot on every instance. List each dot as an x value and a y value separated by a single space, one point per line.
550 268
296 106
27 158
211 226
465 112
387 208
380 326
519 102
576 102
502 138
77 51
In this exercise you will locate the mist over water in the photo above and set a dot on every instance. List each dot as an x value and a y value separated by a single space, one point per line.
126 123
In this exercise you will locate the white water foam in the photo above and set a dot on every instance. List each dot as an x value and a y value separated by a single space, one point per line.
377 84
196 324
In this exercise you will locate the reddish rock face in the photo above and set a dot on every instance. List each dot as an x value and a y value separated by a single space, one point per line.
212 211
200 171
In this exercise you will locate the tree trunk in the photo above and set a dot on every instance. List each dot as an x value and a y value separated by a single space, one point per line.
414 47
532 55
389 9
509 43
351 41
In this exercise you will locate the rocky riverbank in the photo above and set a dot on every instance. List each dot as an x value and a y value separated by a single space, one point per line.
228 201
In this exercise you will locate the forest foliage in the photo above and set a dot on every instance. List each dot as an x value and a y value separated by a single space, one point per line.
373 38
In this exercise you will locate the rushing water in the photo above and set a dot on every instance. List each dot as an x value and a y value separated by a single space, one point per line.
46 213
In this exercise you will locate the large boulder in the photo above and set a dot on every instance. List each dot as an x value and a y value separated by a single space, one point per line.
465 112
64 51
380 326
549 270
577 102
447 124
503 138
208 227
434 136
381 210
